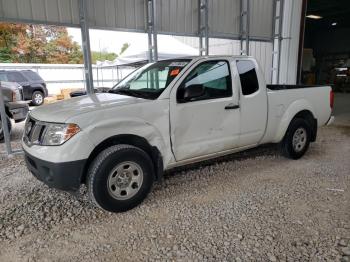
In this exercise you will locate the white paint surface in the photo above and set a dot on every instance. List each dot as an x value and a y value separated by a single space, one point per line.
193 131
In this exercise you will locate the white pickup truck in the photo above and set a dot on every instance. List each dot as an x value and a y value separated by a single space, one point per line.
164 115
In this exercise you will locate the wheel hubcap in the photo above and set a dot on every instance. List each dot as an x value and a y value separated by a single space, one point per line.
38 98
299 139
125 180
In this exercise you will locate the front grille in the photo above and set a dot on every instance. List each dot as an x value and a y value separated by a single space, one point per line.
33 131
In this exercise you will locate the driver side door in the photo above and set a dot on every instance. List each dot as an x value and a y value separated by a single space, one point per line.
208 123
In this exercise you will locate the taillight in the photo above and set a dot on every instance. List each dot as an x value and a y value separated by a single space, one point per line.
331 99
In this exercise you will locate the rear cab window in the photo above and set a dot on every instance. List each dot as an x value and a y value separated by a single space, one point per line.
32 76
247 76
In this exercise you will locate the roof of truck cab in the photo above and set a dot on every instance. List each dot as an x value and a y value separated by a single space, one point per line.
196 58
211 56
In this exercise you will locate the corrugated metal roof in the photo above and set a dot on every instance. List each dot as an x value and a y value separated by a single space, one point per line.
179 16
60 12
173 16
224 17
117 14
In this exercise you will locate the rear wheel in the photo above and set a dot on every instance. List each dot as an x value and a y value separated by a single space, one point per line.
297 139
37 98
2 130
120 178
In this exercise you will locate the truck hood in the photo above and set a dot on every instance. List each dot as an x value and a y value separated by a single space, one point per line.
61 111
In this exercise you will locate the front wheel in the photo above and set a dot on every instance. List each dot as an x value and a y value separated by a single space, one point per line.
37 98
297 139
120 178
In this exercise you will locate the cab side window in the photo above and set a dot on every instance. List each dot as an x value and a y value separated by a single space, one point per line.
248 77
212 78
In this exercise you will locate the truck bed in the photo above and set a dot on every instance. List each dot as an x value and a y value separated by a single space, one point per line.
284 101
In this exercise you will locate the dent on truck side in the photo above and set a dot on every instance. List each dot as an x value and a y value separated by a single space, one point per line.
288 113
146 121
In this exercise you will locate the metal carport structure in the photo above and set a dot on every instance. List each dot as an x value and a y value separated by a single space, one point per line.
243 20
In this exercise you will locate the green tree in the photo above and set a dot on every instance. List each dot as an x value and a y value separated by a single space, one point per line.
124 47
37 44
9 34
5 55
102 56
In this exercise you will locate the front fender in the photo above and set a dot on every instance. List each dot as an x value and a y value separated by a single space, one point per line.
109 128
292 110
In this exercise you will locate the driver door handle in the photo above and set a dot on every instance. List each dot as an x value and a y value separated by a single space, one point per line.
231 106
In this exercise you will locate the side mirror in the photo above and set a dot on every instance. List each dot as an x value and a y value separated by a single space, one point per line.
193 91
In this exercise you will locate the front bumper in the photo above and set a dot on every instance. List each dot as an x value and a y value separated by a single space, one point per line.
66 176
18 110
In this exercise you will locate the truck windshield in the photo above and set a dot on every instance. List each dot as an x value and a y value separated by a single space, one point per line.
150 80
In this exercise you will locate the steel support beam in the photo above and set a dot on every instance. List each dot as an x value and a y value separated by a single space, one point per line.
4 125
85 36
244 27
203 24
7 139
152 31
277 39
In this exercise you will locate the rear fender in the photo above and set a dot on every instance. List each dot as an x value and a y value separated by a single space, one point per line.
37 87
292 110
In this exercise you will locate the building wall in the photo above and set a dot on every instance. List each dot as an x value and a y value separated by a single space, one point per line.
261 51
290 43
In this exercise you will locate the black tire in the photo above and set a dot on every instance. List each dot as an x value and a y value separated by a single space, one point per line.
101 169
296 150
38 98
1 129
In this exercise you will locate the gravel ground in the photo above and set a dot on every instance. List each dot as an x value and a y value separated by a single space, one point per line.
255 205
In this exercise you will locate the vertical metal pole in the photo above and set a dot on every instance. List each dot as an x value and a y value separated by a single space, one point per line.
244 27
97 76
154 27
5 129
84 82
280 38
240 27
277 40
206 30
301 41
203 26
247 28
152 31
200 38
86 46
274 10
113 76
149 28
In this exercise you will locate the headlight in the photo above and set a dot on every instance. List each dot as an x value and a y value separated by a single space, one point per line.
57 134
